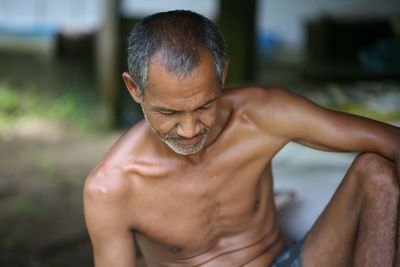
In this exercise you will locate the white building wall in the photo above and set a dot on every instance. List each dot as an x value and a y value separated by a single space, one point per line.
287 17
84 14
208 8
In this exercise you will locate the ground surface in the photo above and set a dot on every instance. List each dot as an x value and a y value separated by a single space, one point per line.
43 166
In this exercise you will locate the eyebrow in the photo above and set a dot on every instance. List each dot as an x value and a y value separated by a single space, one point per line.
172 110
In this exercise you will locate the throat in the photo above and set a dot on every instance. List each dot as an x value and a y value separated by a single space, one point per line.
222 123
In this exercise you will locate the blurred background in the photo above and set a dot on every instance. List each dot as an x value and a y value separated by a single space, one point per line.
63 102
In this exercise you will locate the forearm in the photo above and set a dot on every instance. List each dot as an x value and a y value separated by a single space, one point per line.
360 134
302 121
396 150
392 144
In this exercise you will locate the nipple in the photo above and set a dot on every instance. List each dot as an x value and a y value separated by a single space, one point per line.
256 205
175 249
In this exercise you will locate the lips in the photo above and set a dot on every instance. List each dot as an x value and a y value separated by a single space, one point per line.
190 142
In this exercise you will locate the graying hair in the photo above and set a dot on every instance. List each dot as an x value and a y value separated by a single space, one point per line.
177 35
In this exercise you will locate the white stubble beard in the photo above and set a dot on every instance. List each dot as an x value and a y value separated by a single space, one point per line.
173 143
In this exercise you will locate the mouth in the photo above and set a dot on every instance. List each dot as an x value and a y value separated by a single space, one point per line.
186 146
191 141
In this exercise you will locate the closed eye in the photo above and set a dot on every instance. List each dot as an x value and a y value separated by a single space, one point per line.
205 107
167 112
164 111
208 105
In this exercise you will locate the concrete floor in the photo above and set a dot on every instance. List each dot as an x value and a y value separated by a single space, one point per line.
314 176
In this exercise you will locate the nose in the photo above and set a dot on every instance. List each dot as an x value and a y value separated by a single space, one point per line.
189 126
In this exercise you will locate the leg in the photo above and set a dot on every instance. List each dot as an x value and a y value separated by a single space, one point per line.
359 225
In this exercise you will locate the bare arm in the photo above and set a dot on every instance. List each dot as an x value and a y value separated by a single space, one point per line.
297 119
107 223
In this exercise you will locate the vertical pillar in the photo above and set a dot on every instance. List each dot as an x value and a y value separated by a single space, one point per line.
237 24
107 55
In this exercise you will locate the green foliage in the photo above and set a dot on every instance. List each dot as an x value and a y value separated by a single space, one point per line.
11 242
8 100
27 205
68 108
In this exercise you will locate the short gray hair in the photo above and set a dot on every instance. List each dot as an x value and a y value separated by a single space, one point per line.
177 35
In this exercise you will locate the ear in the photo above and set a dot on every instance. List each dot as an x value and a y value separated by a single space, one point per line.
132 87
225 73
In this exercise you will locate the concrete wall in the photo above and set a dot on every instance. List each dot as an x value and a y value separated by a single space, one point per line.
61 14
208 8
87 14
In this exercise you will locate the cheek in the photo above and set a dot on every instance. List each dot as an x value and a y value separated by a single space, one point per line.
209 118
163 125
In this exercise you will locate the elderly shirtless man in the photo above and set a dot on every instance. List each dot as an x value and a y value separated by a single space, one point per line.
192 184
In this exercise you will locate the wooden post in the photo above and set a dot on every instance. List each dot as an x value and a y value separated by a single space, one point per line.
107 55
237 24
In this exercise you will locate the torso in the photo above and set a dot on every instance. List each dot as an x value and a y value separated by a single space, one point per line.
217 212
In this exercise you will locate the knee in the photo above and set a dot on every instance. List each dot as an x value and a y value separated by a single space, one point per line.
376 174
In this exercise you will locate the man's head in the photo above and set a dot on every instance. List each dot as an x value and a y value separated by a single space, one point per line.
177 67
173 34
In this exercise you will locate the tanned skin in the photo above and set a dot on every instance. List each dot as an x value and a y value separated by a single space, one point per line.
216 207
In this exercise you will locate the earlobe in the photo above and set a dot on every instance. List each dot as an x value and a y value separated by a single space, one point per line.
225 73
132 87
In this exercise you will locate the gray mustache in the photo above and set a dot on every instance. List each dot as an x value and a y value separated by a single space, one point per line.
178 137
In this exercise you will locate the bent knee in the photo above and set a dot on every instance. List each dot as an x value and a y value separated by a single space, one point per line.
376 173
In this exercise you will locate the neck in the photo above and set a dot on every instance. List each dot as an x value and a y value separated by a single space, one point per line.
222 121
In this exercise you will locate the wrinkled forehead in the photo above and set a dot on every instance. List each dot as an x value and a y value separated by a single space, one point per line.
177 92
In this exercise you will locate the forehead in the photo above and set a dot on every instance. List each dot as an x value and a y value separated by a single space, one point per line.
176 92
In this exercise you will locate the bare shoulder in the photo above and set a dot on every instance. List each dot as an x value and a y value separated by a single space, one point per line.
108 203
263 106
105 184
111 180
256 96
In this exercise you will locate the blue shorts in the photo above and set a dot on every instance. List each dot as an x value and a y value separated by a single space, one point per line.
291 256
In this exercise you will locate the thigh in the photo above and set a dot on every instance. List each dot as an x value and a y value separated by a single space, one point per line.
331 240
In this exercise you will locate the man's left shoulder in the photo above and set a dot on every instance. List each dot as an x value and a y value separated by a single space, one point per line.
257 98
264 108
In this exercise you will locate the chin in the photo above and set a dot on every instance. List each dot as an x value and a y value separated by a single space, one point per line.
186 150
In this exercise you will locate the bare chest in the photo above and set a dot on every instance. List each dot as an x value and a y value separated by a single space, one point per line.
198 210
222 206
